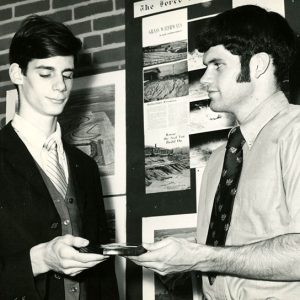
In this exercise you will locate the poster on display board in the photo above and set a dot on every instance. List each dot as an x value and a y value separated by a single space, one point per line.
174 286
94 122
177 114
165 79
143 8
206 129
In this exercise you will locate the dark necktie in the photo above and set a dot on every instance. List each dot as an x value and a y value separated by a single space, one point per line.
226 191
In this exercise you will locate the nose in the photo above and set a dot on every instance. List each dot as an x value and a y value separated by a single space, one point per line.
59 84
206 78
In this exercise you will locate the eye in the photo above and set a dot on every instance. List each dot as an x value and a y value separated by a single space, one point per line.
45 75
68 75
218 66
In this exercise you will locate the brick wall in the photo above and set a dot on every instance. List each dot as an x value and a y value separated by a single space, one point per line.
100 24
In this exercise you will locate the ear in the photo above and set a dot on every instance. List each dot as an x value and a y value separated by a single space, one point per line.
15 74
259 64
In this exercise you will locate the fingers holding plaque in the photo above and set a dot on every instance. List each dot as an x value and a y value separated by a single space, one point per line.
114 249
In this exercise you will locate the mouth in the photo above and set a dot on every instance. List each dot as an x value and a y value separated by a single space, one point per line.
212 92
58 100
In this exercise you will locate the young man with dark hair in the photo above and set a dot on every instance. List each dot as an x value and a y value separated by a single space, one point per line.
51 200
248 239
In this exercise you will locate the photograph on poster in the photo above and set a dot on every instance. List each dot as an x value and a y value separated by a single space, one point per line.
202 118
115 208
197 90
174 286
166 81
167 164
164 53
94 121
203 144
195 61
177 286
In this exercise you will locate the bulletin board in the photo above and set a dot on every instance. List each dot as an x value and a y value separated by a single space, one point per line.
171 130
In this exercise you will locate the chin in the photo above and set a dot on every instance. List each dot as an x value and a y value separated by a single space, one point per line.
55 112
214 107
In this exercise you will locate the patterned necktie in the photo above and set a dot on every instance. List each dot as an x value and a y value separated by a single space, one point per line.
53 168
226 191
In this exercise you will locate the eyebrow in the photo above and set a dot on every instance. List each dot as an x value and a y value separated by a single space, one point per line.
213 60
42 67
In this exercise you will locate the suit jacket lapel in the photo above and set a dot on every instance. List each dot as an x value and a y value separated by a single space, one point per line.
17 155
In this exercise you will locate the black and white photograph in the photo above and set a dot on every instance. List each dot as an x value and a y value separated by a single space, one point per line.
88 122
197 90
202 118
164 53
166 81
167 162
94 121
119 122
203 144
195 57
195 60
174 286
177 286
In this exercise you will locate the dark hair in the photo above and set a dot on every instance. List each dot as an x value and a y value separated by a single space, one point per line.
40 37
247 30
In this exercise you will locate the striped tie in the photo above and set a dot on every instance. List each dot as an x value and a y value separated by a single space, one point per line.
54 169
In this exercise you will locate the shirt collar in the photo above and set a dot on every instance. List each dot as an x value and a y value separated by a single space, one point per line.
261 115
34 136
57 137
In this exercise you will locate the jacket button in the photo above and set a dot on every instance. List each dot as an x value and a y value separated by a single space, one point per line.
71 200
66 222
73 289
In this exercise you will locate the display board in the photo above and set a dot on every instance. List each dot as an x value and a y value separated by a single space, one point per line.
171 130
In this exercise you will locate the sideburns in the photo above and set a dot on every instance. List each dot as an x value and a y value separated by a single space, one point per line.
244 75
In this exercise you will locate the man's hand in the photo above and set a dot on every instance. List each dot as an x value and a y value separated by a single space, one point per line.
169 256
60 256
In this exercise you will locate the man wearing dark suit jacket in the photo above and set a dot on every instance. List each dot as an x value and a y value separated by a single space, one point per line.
50 193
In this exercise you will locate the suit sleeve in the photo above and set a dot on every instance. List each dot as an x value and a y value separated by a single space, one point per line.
16 278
